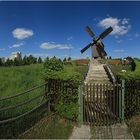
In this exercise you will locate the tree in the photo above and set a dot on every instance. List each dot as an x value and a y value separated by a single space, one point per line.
69 58
1 62
52 67
64 60
47 58
110 57
24 61
30 59
39 60
133 65
16 62
34 60
8 62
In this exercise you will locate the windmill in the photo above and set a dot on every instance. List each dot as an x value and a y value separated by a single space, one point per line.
97 44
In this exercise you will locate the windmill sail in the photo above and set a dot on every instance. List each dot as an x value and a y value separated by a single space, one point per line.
97 44
90 31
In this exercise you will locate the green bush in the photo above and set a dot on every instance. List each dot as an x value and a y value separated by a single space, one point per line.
67 105
52 67
133 65
53 64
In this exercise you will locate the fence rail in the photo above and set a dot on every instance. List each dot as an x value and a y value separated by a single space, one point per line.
22 93
22 103
22 115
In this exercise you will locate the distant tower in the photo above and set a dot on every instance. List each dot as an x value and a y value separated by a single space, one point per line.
17 55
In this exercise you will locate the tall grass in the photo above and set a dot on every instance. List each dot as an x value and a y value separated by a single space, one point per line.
20 78
14 80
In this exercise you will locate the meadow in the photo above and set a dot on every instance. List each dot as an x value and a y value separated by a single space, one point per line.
19 78
14 80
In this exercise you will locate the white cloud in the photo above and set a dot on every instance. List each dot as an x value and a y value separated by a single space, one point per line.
16 45
47 45
2 49
119 41
125 21
70 38
120 26
21 33
118 51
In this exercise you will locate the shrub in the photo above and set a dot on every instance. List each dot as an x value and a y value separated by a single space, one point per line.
133 66
67 103
52 67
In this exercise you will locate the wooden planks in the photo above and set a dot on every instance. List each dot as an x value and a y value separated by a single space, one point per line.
100 104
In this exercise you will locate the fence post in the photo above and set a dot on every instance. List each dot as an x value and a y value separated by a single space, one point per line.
80 102
48 102
122 101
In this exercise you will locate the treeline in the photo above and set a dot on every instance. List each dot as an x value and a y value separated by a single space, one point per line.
27 60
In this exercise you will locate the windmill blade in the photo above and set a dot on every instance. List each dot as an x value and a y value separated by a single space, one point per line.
106 32
90 31
105 54
85 48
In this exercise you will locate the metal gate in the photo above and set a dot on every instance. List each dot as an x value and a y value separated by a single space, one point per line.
102 104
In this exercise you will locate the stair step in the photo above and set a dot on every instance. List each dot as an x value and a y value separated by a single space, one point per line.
95 76
97 73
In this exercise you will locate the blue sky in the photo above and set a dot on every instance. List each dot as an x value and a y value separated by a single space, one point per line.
58 28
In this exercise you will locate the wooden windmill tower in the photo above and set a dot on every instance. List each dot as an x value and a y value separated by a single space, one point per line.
97 44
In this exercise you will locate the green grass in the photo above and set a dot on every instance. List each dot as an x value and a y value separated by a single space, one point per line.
18 79
116 69
131 74
50 128
13 129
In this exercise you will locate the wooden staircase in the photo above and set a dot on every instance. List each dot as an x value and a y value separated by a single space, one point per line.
96 90
96 73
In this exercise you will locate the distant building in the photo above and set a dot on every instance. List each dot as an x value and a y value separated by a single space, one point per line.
17 55
3 59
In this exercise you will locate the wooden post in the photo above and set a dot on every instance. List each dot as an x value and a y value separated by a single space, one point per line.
80 102
48 92
122 101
